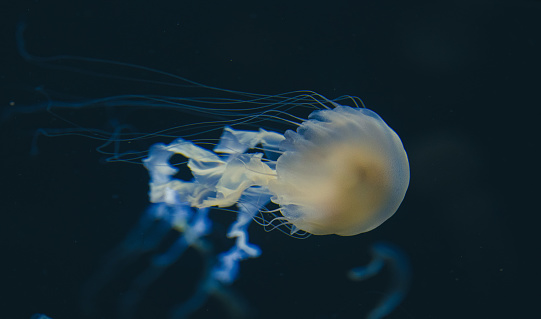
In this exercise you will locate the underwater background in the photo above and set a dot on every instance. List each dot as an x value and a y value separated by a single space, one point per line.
457 80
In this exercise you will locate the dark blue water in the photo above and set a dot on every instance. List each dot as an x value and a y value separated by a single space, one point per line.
458 82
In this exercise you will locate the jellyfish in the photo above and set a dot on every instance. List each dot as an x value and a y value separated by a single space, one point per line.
340 171
343 171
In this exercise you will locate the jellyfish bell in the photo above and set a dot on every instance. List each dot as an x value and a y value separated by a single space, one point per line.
344 171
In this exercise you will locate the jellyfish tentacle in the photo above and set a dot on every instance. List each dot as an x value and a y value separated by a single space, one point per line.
196 225
251 201
399 266
218 180
145 237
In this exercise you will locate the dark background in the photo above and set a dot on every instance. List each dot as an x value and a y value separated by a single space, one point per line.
458 81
